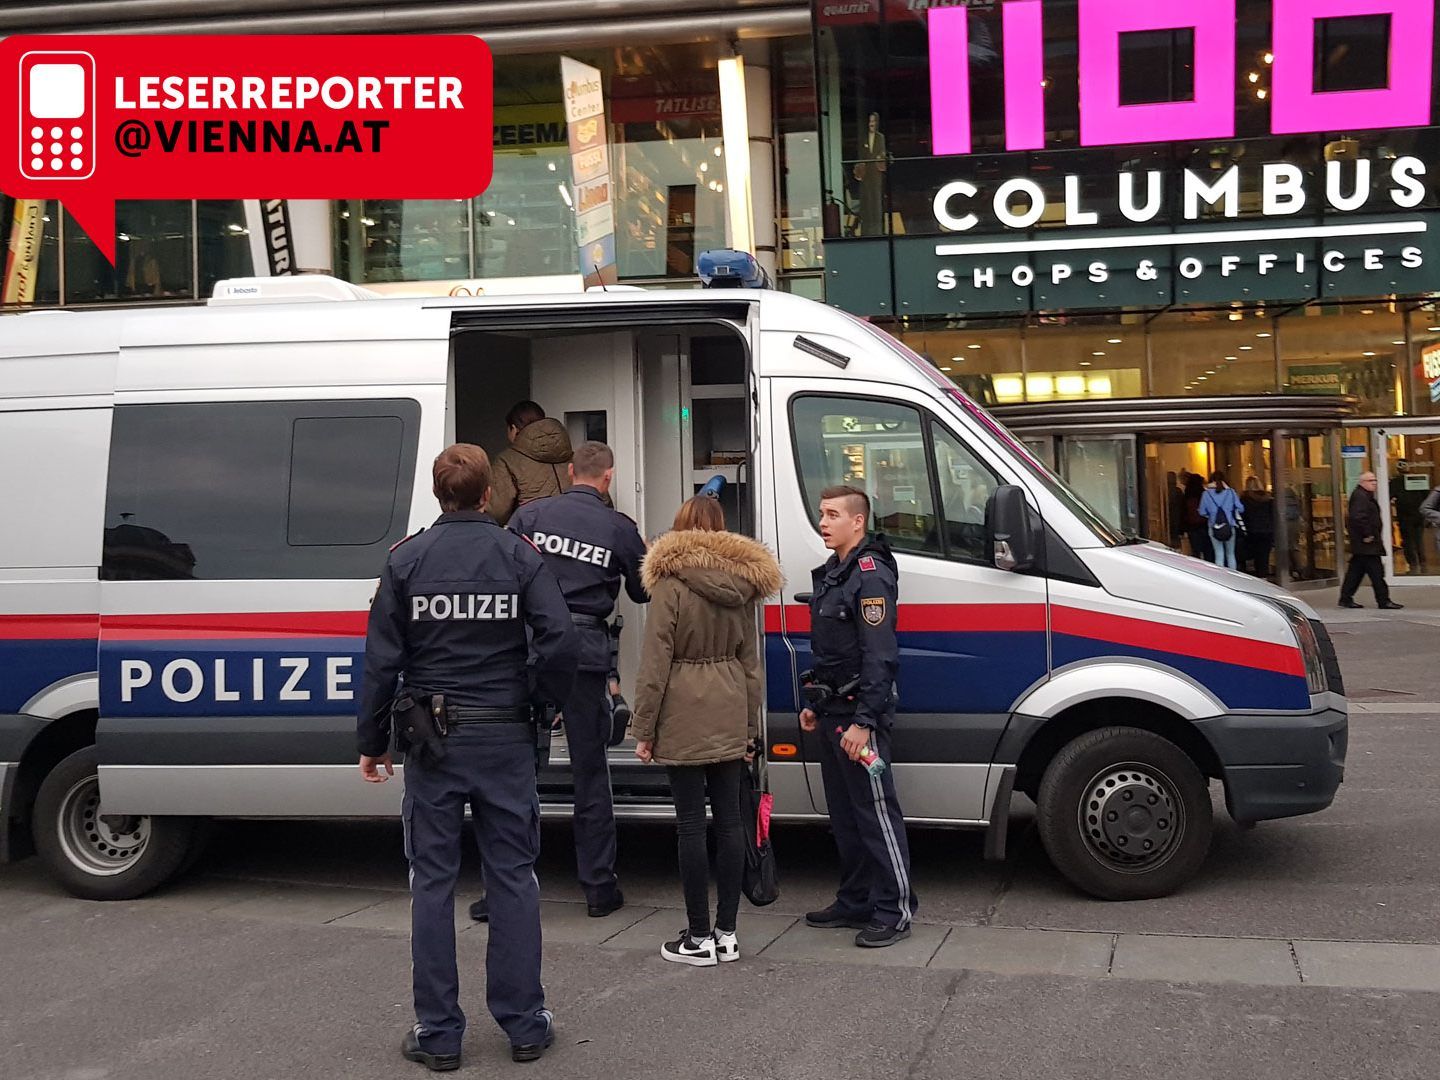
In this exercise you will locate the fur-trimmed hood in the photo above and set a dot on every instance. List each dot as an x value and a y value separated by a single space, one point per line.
723 567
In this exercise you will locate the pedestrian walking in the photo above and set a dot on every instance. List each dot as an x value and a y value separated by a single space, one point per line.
697 706
1225 515
533 465
1259 538
590 548
852 693
1410 521
451 618
1363 525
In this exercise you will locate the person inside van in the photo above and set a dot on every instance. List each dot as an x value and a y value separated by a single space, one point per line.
697 705
1224 512
533 465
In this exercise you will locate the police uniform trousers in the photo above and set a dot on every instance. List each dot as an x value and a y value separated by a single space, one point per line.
587 733
492 768
869 829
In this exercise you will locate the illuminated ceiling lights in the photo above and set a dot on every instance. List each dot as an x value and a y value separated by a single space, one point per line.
1039 385
1112 341
1263 334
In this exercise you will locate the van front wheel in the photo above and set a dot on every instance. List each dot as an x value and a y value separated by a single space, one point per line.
1125 814
99 856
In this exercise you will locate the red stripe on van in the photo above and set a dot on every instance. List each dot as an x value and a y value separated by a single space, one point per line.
932 618
260 624
1161 637
49 627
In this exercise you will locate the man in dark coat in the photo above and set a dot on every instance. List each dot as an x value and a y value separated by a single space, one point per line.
1364 527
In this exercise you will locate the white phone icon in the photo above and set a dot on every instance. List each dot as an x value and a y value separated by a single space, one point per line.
57 115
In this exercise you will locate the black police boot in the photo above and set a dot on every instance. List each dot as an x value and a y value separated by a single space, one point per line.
1390 605
534 1051
1350 604
410 1050
876 936
613 903
833 918
480 909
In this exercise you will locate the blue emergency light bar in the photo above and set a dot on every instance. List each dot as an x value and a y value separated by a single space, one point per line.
727 269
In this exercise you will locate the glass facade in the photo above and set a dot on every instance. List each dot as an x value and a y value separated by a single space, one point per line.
166 251
667 157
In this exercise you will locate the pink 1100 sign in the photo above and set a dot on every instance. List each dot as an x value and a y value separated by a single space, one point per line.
1295 106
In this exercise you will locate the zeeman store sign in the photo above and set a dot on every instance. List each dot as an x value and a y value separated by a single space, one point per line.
1356 227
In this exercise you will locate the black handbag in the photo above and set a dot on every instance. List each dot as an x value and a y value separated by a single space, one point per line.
761 880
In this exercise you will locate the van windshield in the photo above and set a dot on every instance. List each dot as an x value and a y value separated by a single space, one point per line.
1103 530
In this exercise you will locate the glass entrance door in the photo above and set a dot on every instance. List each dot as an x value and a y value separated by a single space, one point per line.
1408 465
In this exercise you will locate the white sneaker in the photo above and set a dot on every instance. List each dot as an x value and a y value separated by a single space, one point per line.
727 946
686 950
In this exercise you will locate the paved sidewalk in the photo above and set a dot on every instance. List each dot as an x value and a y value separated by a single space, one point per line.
999 950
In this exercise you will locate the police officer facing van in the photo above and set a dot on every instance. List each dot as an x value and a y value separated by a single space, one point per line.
450 617
852 691
589 547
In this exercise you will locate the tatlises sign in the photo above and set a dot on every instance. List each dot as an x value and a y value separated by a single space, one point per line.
1378 191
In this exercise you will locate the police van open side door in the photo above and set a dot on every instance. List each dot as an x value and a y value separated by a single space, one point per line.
972 636
263 461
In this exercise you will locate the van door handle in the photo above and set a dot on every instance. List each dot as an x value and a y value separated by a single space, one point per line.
803 597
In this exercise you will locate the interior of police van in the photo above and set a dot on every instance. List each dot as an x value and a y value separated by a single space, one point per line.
674 401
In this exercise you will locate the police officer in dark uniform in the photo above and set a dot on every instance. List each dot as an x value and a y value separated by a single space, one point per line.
450 617
852 691
589 547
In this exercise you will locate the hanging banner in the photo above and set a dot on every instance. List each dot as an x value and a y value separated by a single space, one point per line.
22 260
593 198
272 240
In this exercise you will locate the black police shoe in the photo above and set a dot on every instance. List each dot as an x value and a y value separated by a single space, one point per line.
1350 604
833 918
410 1049
1390 605
608 906
534 1051
875 936
480 909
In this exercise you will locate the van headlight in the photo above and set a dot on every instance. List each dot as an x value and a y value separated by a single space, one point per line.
1309 647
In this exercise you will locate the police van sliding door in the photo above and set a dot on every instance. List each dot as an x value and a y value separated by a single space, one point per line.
972 637
244 536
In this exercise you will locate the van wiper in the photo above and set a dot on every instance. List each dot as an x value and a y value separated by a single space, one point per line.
1129 538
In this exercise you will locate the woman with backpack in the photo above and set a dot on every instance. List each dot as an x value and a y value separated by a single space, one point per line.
1221 507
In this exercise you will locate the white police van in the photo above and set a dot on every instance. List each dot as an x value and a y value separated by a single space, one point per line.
202 499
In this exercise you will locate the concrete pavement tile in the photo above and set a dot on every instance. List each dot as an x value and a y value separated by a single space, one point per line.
570 924
1204 960
756 929
312 904
1008 951
803 942
1377 965
394 915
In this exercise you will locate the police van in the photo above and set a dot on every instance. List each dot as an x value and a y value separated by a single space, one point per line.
202 499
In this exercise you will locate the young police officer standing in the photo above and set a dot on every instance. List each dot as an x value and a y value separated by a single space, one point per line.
852 635
589 547
451 616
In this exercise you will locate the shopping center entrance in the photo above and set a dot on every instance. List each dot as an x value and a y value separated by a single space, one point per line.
1133 460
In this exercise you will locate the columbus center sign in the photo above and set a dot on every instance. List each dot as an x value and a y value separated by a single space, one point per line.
1019 241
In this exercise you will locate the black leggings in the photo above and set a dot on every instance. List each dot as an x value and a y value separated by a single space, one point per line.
688 785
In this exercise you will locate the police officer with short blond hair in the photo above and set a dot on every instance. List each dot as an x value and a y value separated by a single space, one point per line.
450 617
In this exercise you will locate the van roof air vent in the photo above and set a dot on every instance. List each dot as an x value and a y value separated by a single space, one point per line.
288 289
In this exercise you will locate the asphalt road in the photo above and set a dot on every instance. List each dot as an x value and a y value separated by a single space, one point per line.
252 966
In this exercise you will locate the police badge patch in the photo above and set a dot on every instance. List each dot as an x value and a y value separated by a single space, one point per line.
872 609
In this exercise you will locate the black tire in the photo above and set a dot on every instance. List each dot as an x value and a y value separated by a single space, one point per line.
1125 814
103 858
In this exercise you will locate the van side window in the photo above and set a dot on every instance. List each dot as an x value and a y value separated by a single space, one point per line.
875 445
966 485
257 490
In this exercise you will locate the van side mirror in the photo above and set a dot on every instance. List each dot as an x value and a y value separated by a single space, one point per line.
1011 530
803 597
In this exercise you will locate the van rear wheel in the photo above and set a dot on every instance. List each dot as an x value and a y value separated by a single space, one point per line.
99 856
1125 814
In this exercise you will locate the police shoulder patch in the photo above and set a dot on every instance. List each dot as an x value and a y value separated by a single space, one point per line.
867 562
403 539
872 609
